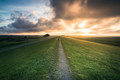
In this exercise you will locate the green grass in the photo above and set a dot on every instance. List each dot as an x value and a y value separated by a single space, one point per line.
92 61
7 44
31 62
104 40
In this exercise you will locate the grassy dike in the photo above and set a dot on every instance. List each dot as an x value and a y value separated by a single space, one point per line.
8 44
92 61
32 62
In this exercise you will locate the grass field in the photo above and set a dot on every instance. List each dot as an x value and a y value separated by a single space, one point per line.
10 41
32 62
91 60
104 40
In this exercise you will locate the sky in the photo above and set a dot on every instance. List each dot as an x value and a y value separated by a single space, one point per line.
60 17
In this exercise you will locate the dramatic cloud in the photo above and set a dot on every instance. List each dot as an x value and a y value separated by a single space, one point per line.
71 9
67 17
22 24
88 16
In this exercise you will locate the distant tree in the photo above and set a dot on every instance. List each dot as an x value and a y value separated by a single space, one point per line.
46 35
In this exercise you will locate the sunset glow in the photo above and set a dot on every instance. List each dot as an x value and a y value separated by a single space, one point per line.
81 25
59 39
59 17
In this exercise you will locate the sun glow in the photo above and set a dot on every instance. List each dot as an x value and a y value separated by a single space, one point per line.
82 24
84 31
79 28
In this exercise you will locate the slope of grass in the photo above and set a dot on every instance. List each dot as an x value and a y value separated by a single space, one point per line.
7 44
105 40
29 62
92 61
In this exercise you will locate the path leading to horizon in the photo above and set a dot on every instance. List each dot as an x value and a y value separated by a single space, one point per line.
64 69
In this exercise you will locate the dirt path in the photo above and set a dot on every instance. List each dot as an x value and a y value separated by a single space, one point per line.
64 69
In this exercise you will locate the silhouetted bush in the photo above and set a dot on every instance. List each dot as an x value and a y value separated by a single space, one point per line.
46 35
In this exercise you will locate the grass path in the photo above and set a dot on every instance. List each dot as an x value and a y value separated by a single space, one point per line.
64 69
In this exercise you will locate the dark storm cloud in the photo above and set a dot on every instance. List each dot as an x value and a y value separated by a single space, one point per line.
107 8
70 9
22 24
